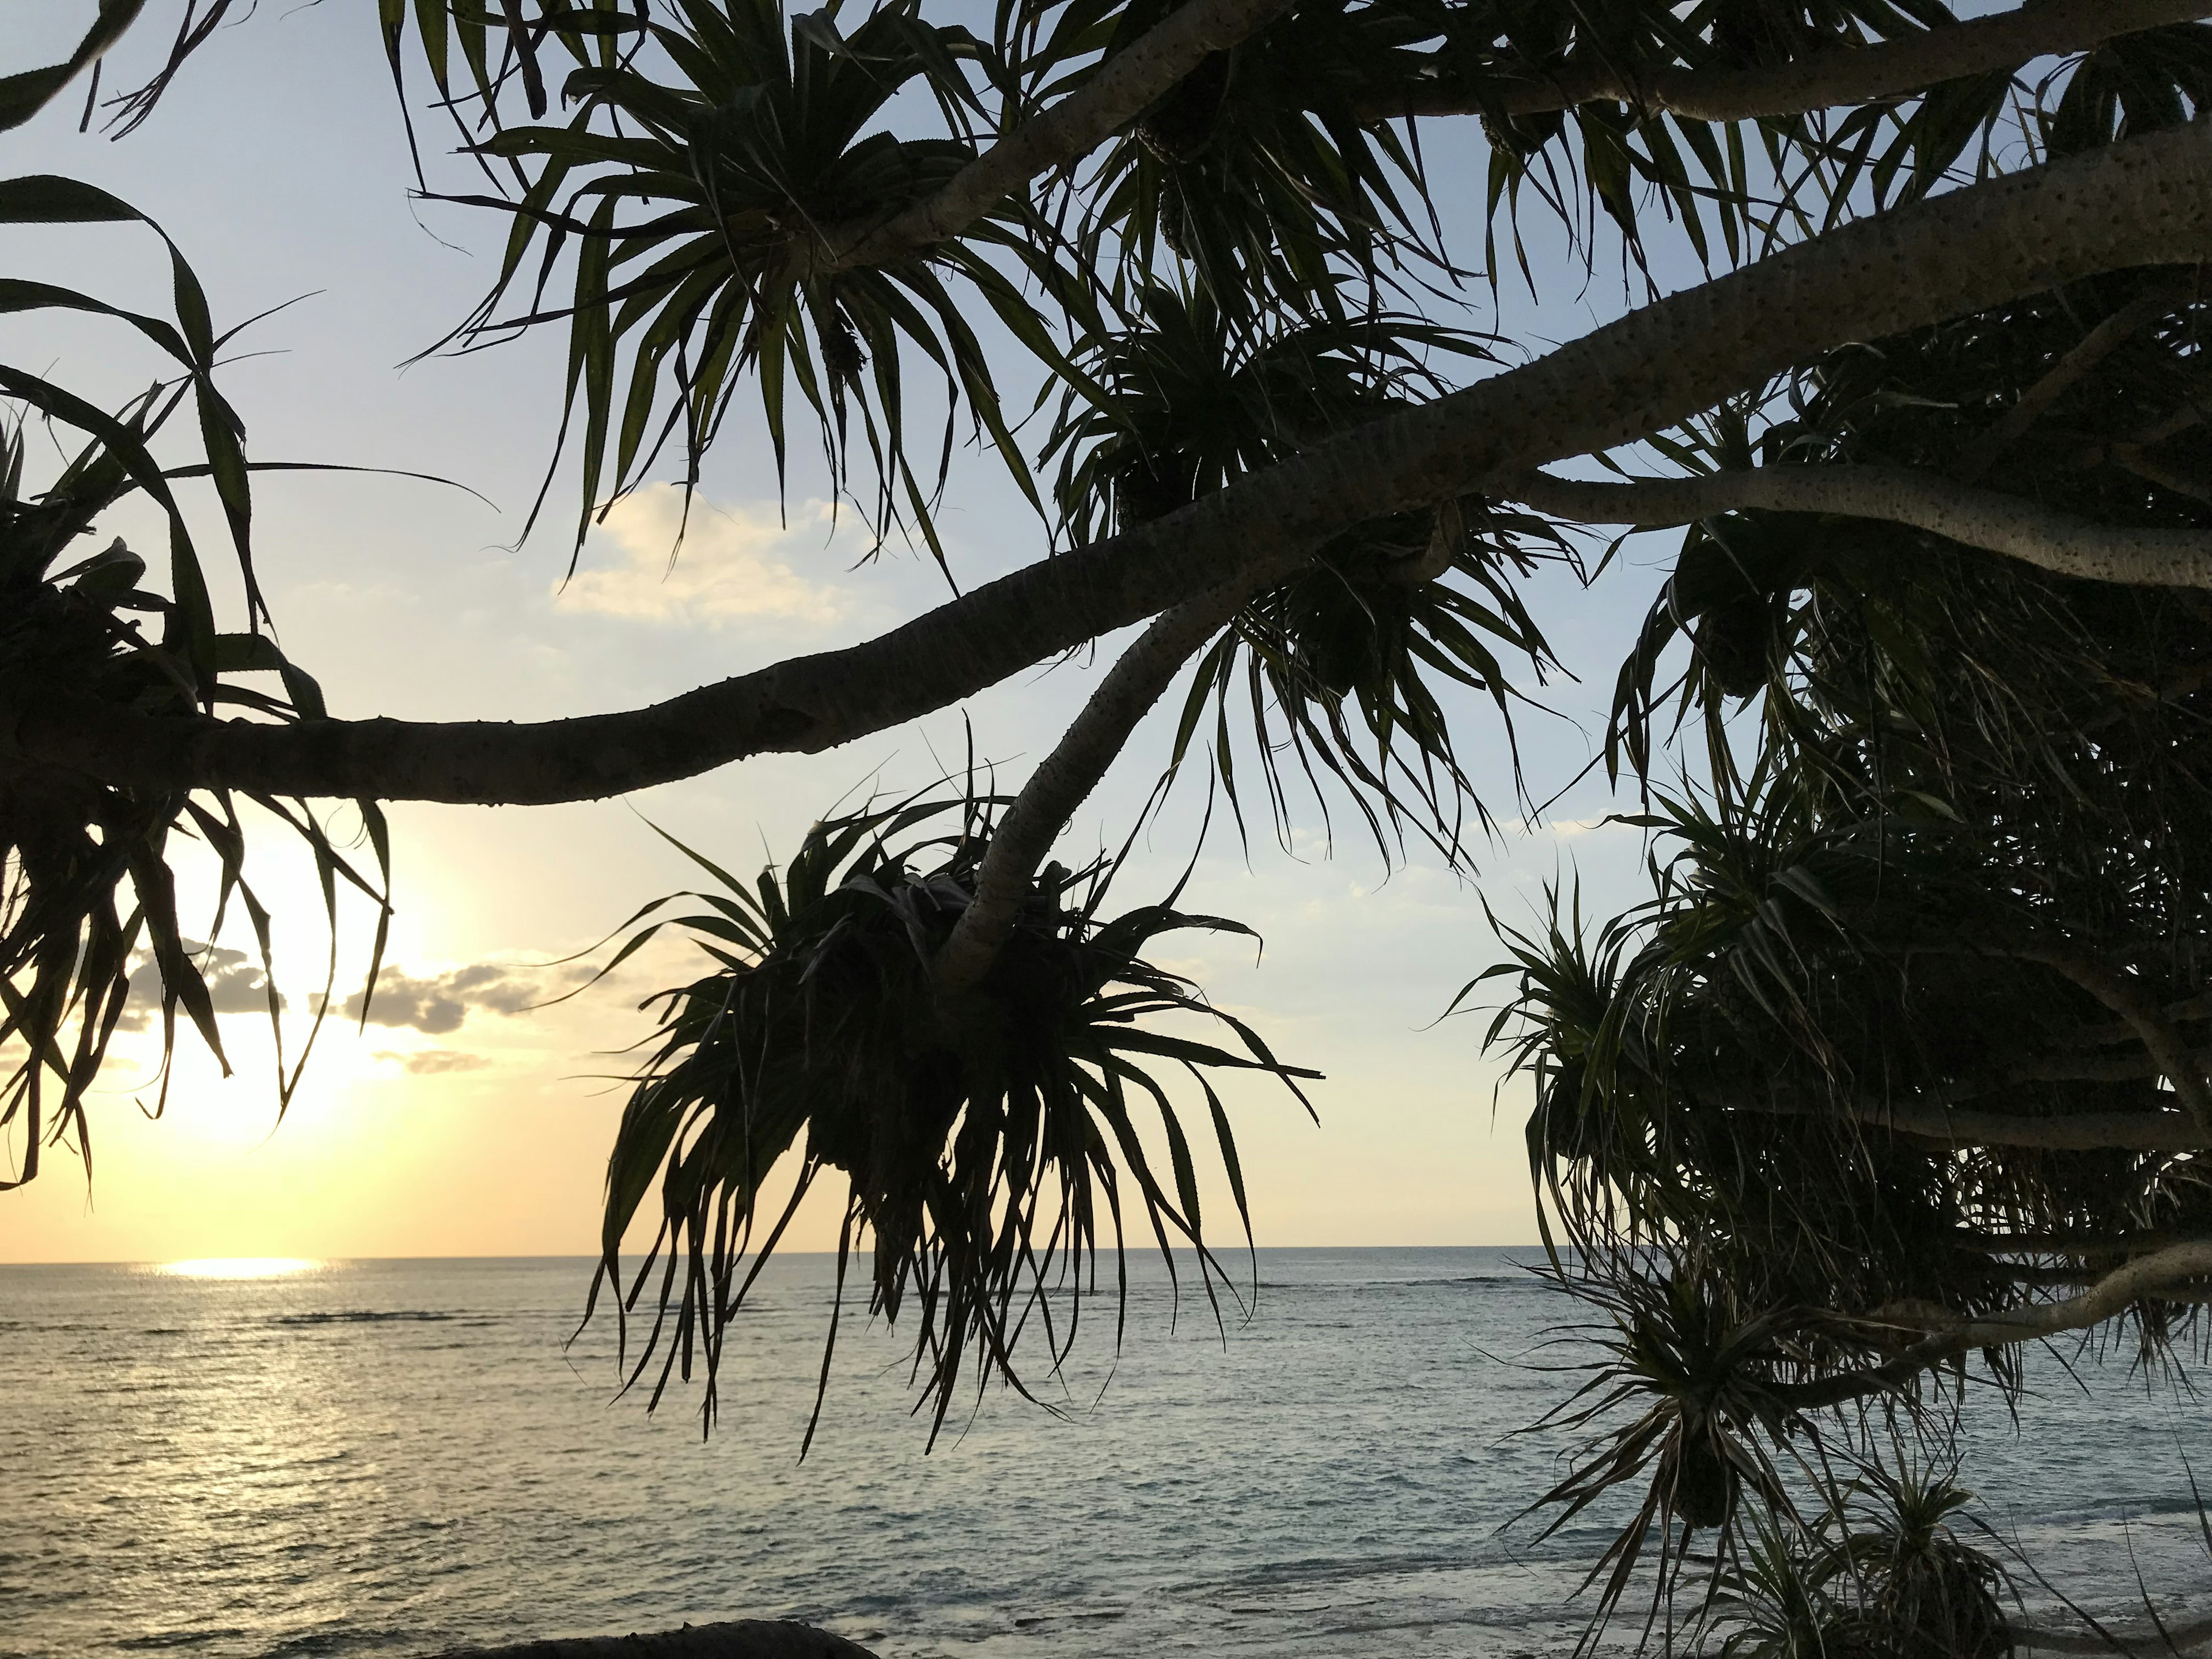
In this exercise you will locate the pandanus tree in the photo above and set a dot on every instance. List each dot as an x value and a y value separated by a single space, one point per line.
1905 1060
1905 1064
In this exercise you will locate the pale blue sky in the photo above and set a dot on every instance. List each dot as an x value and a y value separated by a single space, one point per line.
278 162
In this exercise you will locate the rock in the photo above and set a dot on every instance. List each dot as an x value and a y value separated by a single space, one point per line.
741 1638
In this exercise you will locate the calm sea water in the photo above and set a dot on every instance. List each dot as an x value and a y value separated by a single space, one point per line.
399 1456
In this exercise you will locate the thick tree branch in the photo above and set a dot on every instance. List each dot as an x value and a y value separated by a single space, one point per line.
2123 1067
2088 1245
2150 470
1066 777
2057 542
2177 1273
2068 372
2073 1132
2187 1010
2145 202
1113 97
1824 80
2083 1064
2124 997
2120 992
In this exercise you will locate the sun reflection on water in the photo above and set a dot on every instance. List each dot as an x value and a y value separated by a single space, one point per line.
241 1267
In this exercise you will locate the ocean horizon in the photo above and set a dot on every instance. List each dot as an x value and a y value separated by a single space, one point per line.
409 1455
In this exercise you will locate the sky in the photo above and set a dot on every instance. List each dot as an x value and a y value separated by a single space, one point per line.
467 1118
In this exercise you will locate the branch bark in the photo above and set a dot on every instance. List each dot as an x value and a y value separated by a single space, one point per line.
1066 777
2121 994
2085 1245
2177 1273
1996 523
1115 94
2176 1269
2188 1009
2182 1069
2068 372
2144 202
2074 1132
2152 471
1892 70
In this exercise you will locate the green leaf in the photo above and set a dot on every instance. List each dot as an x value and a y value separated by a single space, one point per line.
24 93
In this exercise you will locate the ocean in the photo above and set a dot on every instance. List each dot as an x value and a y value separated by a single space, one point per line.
403 1456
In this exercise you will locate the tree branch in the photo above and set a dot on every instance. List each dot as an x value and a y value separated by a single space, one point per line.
2144 202
2073 1132
2182 1069
2056 542
2172 1271
2121 994
2177 1273
2130 458
1115 94
1066 777
2069 370
1863 74
2188 1009
2062 1243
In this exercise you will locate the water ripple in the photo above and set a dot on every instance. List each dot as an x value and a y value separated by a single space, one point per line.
242 1468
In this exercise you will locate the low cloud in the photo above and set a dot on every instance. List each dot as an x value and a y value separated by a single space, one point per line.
1570 828
432 1062
733 565
235 981
438 1004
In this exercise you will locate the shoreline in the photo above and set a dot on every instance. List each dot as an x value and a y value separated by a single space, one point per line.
762 1638
2190 1639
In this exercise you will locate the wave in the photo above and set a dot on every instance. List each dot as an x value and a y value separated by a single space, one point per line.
363 1316
181 1639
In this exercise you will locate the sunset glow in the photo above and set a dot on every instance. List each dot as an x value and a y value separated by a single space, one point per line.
241 1267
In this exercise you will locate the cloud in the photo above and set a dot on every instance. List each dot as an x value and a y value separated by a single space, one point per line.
235 981
438 1004
433 1063
1567 828
487 985
1570 828
726 571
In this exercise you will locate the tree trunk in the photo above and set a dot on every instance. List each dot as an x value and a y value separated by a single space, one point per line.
2057 542
1115 94
1897 69
1064 780
2144 202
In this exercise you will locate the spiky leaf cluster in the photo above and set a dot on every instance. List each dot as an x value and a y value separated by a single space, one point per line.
713 159
87 890
1342 668
984 1142
87 883
1881 1574
707 180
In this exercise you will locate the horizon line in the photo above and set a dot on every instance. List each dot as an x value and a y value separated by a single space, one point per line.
342 1260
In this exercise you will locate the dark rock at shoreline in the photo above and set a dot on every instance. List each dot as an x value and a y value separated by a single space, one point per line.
740 1638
